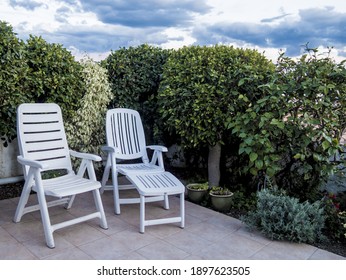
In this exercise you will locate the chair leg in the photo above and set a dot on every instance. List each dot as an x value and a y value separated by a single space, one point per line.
105 177
48 232
141 214
99 207
24 197
182 210
116 198
116 195
70 202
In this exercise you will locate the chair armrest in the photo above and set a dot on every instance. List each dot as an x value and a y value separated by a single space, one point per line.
158 148
85 156
109 149
32 163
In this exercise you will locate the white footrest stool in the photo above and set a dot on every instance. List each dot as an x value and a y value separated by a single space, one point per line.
157 184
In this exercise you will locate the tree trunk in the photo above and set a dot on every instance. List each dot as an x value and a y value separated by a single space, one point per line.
214 157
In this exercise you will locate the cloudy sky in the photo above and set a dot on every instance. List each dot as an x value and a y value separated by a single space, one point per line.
95 27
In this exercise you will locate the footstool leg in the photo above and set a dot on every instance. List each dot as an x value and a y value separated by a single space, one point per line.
141 213
166 202
182 210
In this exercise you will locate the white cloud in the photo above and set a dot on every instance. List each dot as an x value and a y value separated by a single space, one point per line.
97 27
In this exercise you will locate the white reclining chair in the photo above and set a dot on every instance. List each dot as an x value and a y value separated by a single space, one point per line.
43 147
126 144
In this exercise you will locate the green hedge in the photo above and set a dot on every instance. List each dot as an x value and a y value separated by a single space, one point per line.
135 75
203 88
13 75
35 71
201 91
54 75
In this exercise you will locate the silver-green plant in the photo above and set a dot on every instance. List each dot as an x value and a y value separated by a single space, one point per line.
281 217
86 130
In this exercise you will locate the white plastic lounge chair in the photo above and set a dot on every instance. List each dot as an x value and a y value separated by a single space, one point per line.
43 147
126 144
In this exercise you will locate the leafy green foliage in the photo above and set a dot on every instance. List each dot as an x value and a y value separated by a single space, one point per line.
292 132
216 190
13 73
203 87
198 186
243 201
86 130
335 227
281 217
134 74
342 218
35 71
54 76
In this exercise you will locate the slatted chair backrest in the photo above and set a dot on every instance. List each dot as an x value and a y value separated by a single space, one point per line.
41 135
124 130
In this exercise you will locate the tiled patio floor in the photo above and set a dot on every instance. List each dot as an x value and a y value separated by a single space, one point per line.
208 235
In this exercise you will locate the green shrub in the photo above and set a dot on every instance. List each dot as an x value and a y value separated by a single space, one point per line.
281 217
201 90
54 76
315 120
242 201
35 71
203 87
135 74
13 74
86 130
342 217
198 186
294 129
335 228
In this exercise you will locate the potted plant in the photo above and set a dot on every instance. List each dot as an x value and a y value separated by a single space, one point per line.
221 198
196 192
